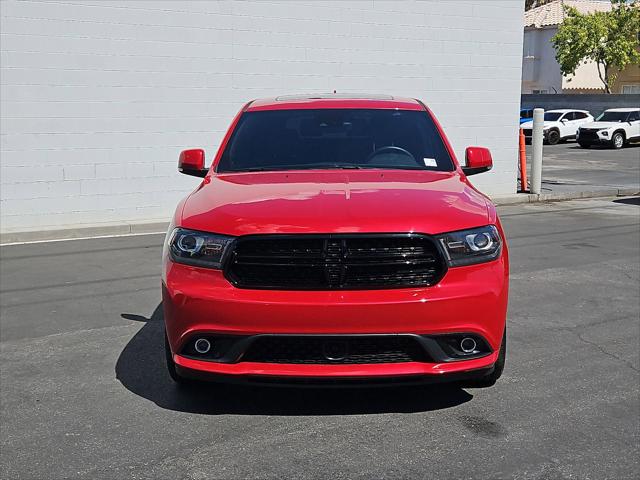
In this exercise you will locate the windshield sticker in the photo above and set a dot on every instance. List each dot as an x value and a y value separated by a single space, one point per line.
430 162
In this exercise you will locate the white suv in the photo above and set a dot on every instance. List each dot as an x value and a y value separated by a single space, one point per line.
614 127
559 125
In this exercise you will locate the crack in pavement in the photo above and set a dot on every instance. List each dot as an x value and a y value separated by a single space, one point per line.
598 346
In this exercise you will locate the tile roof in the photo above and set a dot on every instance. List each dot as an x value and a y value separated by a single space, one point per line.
553 13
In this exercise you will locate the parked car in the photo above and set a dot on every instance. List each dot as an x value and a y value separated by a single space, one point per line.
614 127
335 239
526 114
559 125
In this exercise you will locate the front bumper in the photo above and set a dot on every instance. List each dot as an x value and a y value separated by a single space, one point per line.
471 299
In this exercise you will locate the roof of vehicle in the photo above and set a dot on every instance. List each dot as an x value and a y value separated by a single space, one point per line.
334 100
625 109
565 110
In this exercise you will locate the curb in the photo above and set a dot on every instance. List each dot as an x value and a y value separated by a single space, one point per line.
560 196
130 229
85 231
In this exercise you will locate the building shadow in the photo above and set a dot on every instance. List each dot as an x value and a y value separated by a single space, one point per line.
605 147
628 201
141 369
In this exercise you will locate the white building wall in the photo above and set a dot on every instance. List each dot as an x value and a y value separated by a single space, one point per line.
98 98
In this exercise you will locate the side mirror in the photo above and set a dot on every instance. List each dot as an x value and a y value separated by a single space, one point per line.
564 120
478 160
191 162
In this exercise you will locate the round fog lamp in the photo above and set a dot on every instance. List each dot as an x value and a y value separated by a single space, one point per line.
468 345
202 345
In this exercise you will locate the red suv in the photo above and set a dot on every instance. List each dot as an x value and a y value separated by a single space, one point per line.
335 239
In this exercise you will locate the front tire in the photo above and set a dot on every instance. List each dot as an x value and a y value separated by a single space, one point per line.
171 366
491 379
617 141
553 138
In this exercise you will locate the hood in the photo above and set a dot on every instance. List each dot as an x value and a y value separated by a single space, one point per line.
601 124
334 202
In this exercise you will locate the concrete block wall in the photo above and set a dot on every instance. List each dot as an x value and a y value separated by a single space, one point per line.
594 103
98 98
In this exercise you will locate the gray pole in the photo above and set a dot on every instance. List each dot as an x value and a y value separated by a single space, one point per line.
537 138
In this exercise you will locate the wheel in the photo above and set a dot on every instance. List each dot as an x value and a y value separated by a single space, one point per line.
617 141
171 366
491 379
553 138
585 145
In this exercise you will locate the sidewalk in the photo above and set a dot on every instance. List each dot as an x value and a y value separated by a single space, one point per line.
570 172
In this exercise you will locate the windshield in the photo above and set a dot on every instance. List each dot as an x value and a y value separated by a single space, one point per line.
335 138
613 117
552 116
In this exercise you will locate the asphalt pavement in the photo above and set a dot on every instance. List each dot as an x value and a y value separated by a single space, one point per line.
568 167
85 393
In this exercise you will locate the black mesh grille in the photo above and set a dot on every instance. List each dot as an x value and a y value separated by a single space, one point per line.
588 134
335 262
335 350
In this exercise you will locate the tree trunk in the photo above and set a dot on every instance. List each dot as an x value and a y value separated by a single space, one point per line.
605 79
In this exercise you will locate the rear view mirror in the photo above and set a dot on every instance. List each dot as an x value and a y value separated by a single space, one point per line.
191 162
478 160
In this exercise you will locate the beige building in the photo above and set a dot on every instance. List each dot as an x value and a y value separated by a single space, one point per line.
540 70
628 81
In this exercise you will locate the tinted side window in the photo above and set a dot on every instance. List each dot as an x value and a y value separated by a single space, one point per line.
580 115
634 116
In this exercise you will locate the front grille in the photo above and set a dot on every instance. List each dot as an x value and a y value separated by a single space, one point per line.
527 132
588 134
335 350
330 262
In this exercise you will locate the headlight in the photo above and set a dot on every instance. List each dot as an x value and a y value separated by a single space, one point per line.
467 247
198 248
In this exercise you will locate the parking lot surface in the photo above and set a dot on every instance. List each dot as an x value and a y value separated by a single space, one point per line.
568 167
85 393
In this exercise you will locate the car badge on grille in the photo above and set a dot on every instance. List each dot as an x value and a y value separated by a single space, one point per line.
335 350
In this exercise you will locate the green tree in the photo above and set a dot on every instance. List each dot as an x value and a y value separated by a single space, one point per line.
529 4
610 39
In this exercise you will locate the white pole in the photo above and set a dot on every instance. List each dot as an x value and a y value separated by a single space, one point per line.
537 138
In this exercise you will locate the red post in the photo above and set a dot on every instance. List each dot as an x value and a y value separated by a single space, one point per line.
523 163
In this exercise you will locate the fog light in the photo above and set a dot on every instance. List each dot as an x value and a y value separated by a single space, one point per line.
468 345
202 346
